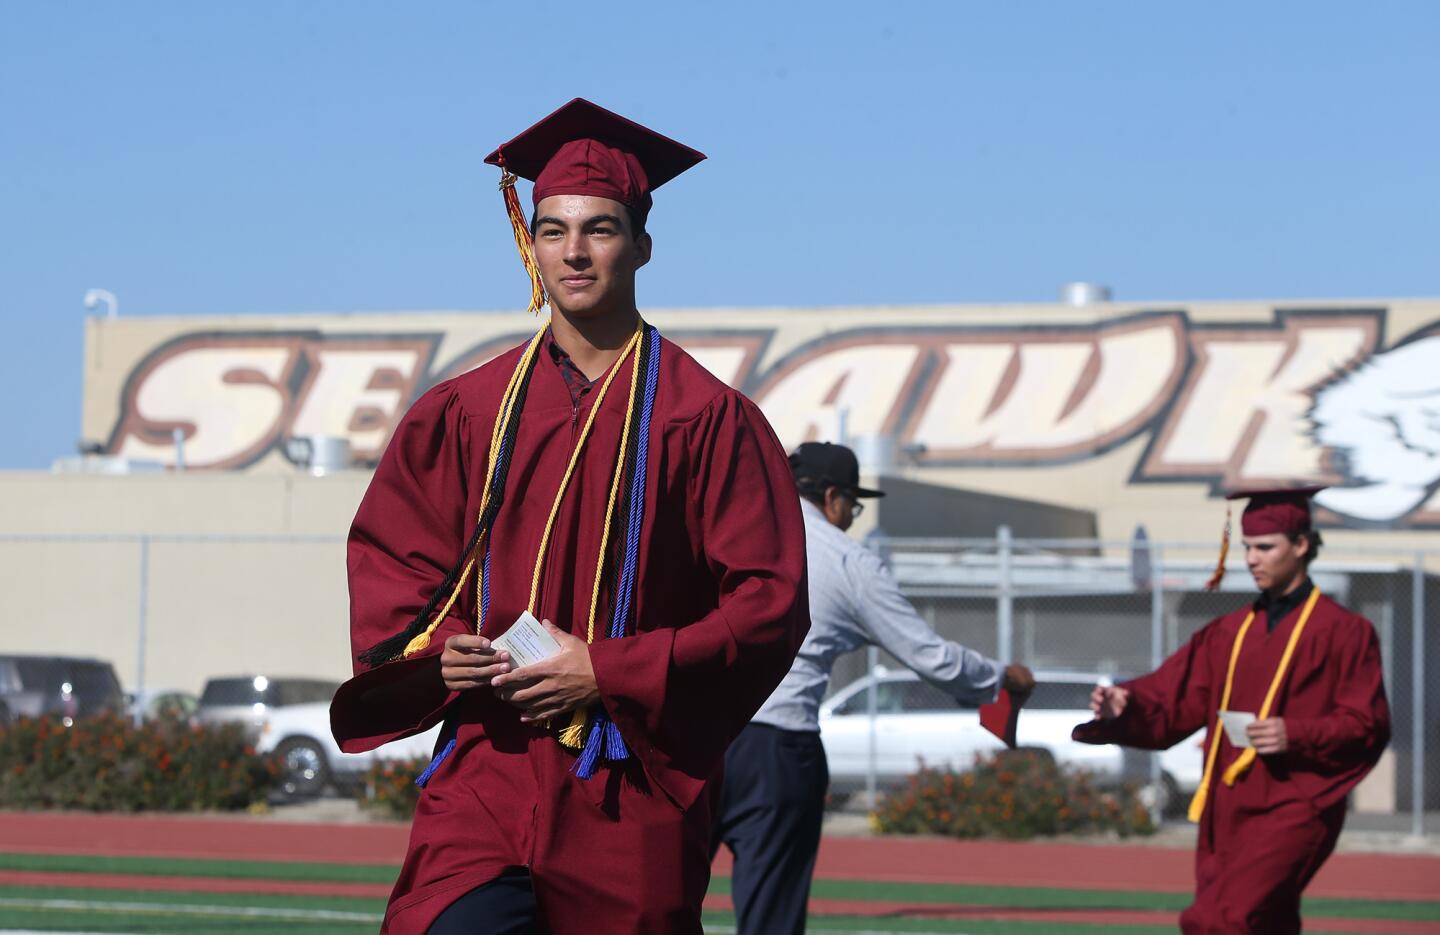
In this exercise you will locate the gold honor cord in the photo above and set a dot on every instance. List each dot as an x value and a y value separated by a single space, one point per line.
574 459
507 403
1247 756
614 496
573 734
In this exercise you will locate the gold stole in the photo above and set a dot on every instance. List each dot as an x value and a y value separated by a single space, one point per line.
1247 756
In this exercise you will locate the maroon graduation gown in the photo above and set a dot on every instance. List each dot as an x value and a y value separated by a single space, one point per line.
720 611
1261 840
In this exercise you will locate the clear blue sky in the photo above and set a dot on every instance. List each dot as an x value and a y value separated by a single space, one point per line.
201 158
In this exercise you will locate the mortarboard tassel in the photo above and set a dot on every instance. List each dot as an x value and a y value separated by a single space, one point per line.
573 736
1219 573
589 757
615 748
435 762
523 241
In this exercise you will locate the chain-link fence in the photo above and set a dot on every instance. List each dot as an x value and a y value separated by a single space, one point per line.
172 610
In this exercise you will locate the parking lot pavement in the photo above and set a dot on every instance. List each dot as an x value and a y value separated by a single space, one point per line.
323 810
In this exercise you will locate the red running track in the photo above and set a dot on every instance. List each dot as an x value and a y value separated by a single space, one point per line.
915 860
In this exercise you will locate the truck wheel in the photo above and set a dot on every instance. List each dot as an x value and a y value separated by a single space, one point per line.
303 770
1162 799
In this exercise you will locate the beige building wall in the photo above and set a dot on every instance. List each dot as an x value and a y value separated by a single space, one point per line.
1139 413
254 599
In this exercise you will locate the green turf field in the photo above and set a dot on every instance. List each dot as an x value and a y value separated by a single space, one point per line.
37 906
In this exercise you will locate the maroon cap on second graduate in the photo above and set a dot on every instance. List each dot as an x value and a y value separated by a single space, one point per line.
584 149
1275 510
1270 510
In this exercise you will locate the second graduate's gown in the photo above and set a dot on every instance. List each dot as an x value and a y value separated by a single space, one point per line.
1262 839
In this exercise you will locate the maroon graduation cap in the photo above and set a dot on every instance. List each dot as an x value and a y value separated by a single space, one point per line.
1002 716
584 149
1270 510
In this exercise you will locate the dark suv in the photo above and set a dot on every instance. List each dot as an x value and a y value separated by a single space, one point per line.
57 686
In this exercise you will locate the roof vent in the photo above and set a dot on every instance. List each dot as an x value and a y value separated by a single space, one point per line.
1080 294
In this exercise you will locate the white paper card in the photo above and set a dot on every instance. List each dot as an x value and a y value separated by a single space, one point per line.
1235 723
526 641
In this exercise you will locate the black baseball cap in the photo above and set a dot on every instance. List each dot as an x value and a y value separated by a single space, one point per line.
832 466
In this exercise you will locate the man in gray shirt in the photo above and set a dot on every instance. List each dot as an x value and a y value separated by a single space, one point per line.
773 799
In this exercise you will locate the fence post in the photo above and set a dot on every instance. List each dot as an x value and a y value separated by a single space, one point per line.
1004 598
142 620
875 542
1157 634
872 710
1417 710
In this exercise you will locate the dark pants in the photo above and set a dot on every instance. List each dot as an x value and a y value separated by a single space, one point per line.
771 807
504 906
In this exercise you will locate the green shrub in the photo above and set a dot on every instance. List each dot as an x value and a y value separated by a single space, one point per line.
389 787
108 764
1016 794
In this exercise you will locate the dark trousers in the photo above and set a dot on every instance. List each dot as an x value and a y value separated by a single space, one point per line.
771 807
504 906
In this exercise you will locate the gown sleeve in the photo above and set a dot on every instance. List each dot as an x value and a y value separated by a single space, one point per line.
681 692
409 530
1358 726
1170 703
891 622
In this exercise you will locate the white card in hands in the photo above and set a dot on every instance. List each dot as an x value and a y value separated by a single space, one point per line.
1235 723
526 641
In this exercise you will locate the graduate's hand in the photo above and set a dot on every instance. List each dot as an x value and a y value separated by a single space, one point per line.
1107 702
1019 681
552 687
469 662
1268 736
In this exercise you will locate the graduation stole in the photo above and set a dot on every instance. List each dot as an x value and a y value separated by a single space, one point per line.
1247 756
592 734
602 734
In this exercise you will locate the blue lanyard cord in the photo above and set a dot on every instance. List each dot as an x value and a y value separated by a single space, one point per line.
602 731
625 592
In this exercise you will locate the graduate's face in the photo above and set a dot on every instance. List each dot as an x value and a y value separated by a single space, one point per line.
1274 561
588 254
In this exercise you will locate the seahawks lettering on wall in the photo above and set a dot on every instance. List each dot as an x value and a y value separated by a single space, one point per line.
1221 395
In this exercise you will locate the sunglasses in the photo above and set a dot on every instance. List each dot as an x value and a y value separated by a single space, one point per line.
856 507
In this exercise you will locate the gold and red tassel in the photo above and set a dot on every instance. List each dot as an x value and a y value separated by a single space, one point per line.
523 241
1219 573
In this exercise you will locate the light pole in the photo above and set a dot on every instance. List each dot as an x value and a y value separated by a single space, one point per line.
112 305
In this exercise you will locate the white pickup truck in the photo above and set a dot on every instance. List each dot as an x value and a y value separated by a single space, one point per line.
291 717
916 722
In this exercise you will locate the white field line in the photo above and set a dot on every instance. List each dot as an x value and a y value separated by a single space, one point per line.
299 915
811 929
192 909
717 929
